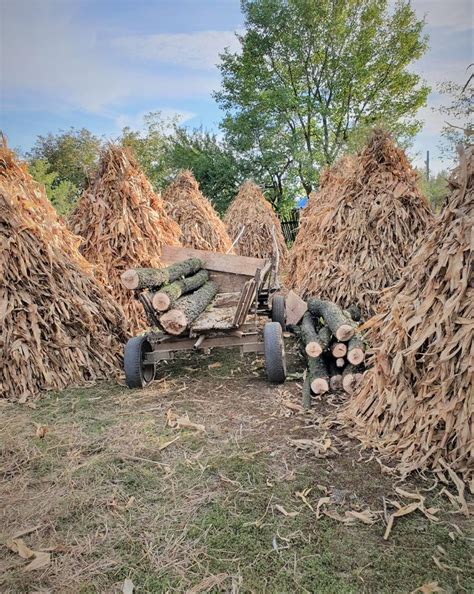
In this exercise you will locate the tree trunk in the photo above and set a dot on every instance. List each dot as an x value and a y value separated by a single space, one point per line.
318 375
342 328
354 312
141 278
309 336
351 376
167 295
187 309
335 379
355 350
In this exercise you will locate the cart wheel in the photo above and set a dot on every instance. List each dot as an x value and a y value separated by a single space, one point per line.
279 311
137 374
274 348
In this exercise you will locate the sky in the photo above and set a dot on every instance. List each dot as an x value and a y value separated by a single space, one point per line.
103 64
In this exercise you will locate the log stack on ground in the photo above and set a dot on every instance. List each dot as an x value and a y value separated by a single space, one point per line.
175 296
201 227
360 234
416 405
60 327
250 219
123 224
329 336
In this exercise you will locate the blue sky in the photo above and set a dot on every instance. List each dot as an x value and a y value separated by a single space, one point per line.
102 64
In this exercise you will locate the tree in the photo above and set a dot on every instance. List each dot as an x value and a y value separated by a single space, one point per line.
61 194
149 146
458 126
312 75
435 189
72 154
213 164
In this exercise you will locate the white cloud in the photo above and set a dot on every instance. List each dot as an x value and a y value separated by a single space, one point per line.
136 122
53 62
199 50
456 15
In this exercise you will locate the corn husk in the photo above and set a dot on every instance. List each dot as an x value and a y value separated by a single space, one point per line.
123 225
361 231
201 227
251 210
417 402
59 326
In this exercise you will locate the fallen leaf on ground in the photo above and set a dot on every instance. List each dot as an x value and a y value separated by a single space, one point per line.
214 365
176 422
403 511
429 588
303 496
283 511
322 501
17 545
128 586
40 560
208 583
41 430
292 406
168 443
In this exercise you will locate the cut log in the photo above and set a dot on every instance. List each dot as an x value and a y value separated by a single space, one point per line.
354 312
307 391
355 350
339 324
187 309
167 295
351 377
319 375
335 382
338 349
142 278
340 362
309 336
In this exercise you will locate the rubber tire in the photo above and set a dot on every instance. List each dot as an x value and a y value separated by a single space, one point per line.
274 350
279 311
136 374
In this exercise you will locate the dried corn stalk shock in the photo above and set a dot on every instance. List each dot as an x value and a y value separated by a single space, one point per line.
59 326
251 219
123 225
417 402
361 232
201 227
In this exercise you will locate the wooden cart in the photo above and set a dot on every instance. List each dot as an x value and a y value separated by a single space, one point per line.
247 288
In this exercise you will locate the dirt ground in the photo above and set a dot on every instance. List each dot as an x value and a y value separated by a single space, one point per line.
211 480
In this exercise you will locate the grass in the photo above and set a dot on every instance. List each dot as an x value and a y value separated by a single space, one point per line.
110 504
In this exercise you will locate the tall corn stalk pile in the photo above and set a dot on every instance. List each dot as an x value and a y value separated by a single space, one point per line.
123 225
331 184
250 217
200 224
357 242
59 326
417 402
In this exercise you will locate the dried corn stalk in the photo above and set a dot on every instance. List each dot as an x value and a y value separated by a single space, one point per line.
417 402
123 225
252 212
201 227
360 233
59 326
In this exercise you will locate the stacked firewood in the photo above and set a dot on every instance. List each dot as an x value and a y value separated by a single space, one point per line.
333 347
172 297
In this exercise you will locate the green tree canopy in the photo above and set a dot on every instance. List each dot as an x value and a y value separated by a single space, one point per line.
72 154
458 126
313 76
61 194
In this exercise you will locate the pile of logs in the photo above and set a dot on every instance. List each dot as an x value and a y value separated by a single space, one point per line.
333 347
172 297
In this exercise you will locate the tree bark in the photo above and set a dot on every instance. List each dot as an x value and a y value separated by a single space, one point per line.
187 309
342 328
309 336
355 350
307 391
318 375
142 278
354 312
166 297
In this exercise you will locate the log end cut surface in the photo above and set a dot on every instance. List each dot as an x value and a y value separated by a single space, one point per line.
130 279
313 349
345 332
319 385
356 356
161 301
174 322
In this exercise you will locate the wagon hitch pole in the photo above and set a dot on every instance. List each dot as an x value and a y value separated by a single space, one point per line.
199 342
